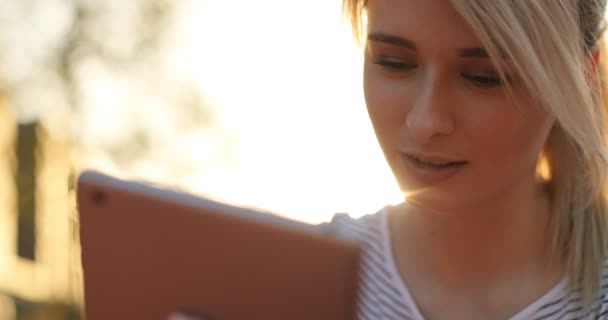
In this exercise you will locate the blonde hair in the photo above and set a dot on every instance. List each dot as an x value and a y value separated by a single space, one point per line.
550 44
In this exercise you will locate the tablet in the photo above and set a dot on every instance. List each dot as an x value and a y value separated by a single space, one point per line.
149 252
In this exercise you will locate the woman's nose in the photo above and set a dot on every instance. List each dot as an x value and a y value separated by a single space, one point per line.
430 116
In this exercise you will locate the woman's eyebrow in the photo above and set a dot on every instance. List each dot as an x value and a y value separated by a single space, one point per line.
473 52
391 39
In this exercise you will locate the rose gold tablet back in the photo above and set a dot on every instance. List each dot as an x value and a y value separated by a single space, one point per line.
146 254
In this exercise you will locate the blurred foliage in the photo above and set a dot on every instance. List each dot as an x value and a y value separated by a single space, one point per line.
87 70
73 64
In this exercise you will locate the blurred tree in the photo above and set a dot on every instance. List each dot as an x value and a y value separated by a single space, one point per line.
93 73
74 64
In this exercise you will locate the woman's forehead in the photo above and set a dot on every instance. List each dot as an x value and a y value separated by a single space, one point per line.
420 21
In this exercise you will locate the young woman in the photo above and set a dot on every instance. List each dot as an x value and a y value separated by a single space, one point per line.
491 116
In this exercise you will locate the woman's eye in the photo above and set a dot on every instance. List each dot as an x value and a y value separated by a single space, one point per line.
490 79
394 64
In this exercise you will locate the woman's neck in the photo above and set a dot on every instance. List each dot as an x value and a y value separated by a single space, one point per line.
494 247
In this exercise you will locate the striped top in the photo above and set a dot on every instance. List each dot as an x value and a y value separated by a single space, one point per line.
383 294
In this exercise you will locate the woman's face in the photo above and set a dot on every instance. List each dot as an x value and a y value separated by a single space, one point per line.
450 133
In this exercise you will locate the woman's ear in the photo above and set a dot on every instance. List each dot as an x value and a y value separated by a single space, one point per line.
592 64
594 59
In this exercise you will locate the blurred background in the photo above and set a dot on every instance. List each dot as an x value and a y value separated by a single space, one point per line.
254 103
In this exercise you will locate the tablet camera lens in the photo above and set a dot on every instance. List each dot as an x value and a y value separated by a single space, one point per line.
99 197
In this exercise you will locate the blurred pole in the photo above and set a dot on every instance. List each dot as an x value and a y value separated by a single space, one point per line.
25 180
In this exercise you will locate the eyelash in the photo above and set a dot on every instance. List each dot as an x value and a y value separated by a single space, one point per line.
484 81
394 65
479 80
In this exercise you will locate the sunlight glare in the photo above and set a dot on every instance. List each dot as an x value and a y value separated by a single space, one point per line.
285 78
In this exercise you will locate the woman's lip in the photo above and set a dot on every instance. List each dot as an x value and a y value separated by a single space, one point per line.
428 174
433 158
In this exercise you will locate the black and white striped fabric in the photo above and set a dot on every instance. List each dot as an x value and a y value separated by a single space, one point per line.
383 295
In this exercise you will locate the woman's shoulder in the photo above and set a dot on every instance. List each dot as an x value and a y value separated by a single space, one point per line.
603 285
356 228
570 305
